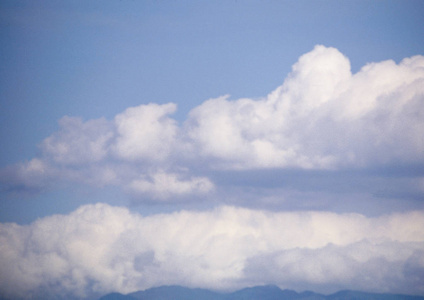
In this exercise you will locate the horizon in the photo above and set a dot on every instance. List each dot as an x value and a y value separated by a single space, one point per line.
224 292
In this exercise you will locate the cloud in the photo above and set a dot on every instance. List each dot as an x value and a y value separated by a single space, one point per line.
145 132
363 265
135 147
322 117
99 248
78 142
163 185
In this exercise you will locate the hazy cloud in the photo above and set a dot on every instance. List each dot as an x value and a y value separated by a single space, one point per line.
163 185
78 142
100 248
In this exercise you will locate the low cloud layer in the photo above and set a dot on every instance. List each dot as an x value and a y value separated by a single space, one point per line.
322 117
99 248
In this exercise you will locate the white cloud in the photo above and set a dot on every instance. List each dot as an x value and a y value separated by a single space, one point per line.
146 132
99 152
364 265
322 117
78 142
139 133
99 248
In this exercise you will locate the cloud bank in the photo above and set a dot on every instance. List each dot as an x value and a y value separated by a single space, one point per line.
322 117
100 248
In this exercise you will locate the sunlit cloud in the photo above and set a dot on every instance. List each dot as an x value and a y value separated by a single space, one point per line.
100 248
322 117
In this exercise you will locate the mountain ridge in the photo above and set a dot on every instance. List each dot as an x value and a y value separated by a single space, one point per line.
266 292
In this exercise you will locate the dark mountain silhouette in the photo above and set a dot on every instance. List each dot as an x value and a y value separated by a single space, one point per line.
176 293
370 296
117 296
268 292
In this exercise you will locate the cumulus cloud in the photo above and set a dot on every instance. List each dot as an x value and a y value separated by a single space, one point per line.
99 248
78 142
322 117
145 132
132 151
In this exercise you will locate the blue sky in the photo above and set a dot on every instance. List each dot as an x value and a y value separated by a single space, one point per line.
213 111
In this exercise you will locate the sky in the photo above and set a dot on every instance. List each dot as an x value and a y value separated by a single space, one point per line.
211 144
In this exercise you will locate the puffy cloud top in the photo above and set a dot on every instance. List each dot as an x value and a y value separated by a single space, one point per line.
322 117
146 132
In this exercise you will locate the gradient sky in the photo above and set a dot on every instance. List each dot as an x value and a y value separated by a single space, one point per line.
203 128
